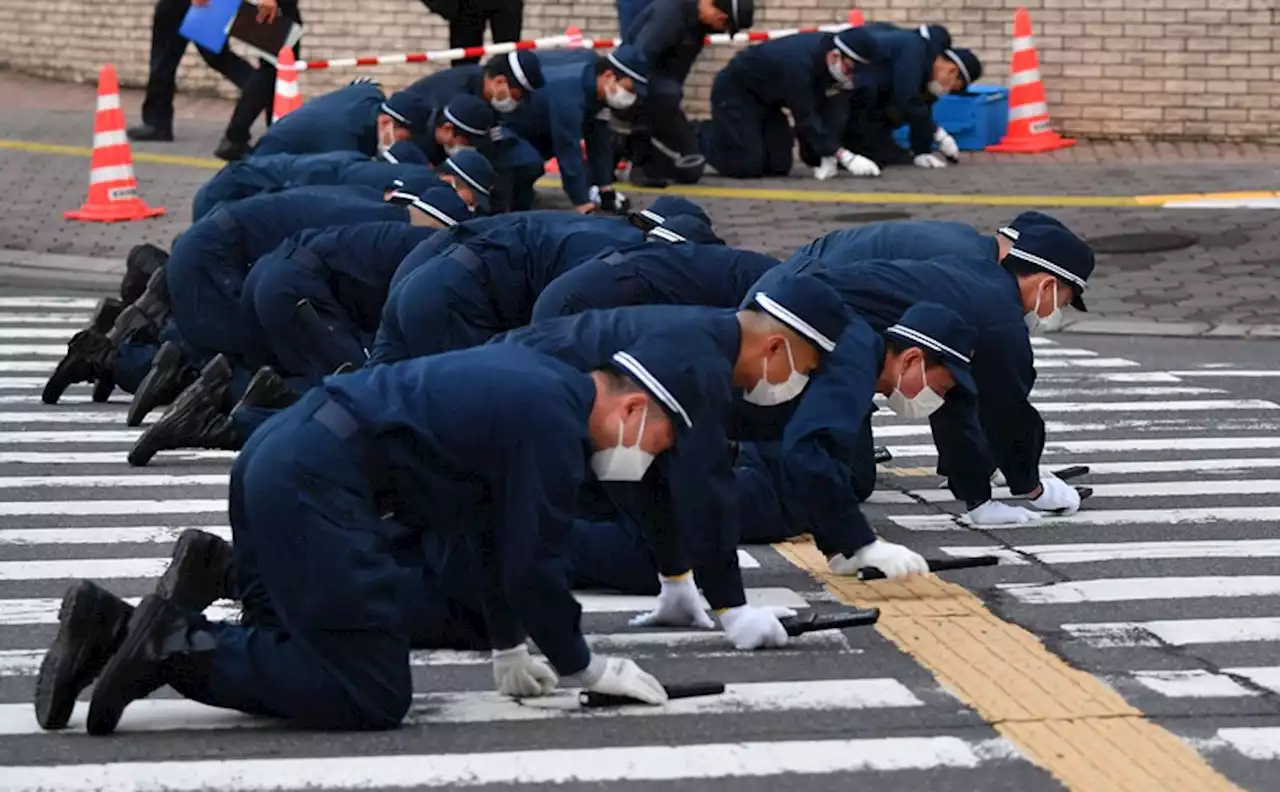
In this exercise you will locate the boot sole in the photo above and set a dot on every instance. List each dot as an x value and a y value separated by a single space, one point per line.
186 582
55 698
144 400
148 444
105 708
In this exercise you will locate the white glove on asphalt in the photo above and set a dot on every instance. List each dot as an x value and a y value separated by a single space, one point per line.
518 674
997 513
619 676
1058 495
679 605
947 145
928 161
998 479
857 164
826 170
751 627
894 560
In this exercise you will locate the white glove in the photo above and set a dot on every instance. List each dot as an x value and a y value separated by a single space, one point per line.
857 164
998 479
593 195
618 676
997 513
928 161
679 605
826 170
1058 496
894 560
751 627
947 145
518 674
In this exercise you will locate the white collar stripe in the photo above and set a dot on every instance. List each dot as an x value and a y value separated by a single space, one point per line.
955 58
454 120
911 334
513 60
632 73
847 50
1049 266
784 315
456 168
653 385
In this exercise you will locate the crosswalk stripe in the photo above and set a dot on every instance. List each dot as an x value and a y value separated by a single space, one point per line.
1063 352
1106 376
1142 588
47 302
133 534
22 383
1138 422
104 436
106 507
541 769
1176 632
1055 446
140 480
1224 514
1228 373
27 366
54 352
1142 489
10 333
1189 405
1143 390
104 457
1262 742
1195 683
1093 552
10 318
1090 363
32 417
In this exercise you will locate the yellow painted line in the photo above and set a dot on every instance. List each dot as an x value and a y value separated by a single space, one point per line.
1063 719
138 156
909 472
1148 200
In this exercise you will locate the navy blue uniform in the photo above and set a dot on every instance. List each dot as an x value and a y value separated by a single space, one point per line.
655 273
905 239
342 120
895 92
973 436
558 118
439 88
466 293
689 489
345 273
206 270
489 444
748 135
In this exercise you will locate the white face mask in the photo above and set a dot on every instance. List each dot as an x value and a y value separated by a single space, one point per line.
842 78
506 105
451 150
924 404
620 98
1047 324
936 89
768 394
623 463
386 139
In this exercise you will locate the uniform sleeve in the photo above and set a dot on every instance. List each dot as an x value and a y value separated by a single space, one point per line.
600 158
661 31
567 119
806 108
534 500
908 80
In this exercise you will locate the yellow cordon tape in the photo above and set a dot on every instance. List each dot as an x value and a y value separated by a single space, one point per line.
763 193
1063 719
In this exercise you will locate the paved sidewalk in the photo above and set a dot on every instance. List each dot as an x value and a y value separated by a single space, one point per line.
1226 283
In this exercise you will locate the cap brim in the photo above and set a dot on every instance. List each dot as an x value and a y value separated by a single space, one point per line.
963 376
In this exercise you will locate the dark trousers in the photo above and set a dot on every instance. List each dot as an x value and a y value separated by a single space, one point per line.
869 129
745 139
466 28
257 95
167 48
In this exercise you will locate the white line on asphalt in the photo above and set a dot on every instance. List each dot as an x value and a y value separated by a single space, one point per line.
1137 390
8 318
27 366
1193 683
1190 405
1206 423
54 352
1228 373
539 769
1203 466
109 482
1263 676
47 302
1106 376
1089 363
1257 742
1142 588
1123 445
1224 514
75 396
109 436
1142 489
63 333
1175 632
1064 352
34 417
22 383
1093 552
153 534
28 508
104 457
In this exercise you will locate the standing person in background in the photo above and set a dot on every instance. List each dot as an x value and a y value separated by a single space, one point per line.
467 19
257 95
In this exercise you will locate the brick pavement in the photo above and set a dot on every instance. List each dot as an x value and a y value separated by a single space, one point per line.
1229 279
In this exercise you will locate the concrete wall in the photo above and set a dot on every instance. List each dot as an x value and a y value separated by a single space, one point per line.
1112 68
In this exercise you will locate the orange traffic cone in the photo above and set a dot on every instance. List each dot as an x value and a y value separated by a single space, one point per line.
113 191
856 19
288 97
1028 131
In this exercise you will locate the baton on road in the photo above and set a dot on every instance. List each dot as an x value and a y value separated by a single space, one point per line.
589 698
936 565
1075 471
882 454
810 622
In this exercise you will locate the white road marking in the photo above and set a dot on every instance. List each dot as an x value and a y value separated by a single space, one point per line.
1093 552
1190 405
108 482
1261 742
10 318
1054 446
1139 390
33 417
104 457
1142 489
54 352
101 507
1228 373
28 366
1225 514
1143 588
1176 632
62 333
153 534
1090 363
48 302
22 383
1195 683
107 436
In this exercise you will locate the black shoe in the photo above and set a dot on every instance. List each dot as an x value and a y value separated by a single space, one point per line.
136 669
145 133
230 151
267 390
168 376
104 318
141 263
641 177
882 454
197 419
90 357
199 572
91 626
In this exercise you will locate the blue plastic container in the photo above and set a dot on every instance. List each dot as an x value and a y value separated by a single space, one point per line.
976 118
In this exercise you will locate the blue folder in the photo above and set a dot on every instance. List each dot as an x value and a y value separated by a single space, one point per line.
209 26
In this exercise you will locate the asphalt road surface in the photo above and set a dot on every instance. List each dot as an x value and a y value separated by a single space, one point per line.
1167 586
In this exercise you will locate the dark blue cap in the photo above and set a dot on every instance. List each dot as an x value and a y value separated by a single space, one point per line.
944 332
627 61
671 378
670 206
858 45
806 305
404 152
938 36
1059 252
521 68
471 167
685 228
439 202
741 13
968 63
409 109
472 116
1024 221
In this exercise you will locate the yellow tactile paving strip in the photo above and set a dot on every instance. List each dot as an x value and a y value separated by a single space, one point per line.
1063 719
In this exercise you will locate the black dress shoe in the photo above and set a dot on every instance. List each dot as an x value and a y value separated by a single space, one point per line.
168 376
91 626
144 133
229 151
197 419
199 572
135 670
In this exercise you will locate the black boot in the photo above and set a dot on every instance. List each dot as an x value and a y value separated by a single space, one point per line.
91 626
199 572
141 263
104 318
90 357
159 634
154 302
168 376
268 390
197 419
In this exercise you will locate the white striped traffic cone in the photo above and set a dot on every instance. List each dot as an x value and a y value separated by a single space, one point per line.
288 97
1028 131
